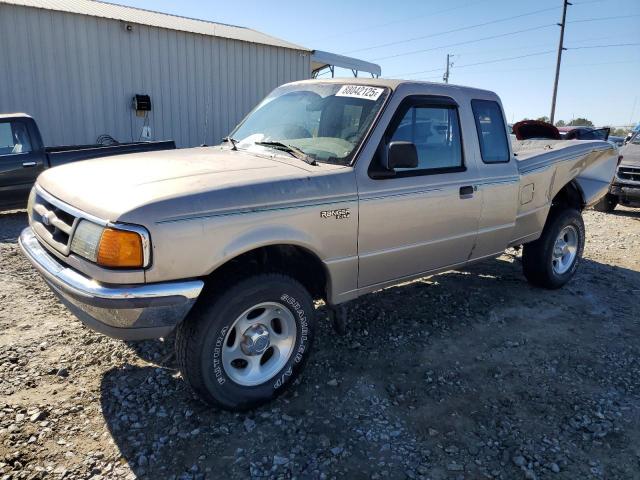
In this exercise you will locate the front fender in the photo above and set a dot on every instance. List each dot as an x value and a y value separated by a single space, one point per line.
196 248
264 236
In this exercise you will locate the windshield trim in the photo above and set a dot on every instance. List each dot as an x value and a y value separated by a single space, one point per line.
353 155
356 151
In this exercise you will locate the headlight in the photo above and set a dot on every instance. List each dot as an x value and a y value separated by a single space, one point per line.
32 200
108 246
86 240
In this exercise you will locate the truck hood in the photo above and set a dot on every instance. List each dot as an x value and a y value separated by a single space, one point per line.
630 155
176 184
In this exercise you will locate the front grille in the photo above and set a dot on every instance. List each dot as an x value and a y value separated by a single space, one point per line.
52 222
629 173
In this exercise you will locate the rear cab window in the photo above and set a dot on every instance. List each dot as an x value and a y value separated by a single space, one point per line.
492 132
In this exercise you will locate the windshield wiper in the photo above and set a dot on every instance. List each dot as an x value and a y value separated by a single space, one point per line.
290 149
232 141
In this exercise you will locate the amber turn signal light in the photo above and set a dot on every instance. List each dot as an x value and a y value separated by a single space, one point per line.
120 248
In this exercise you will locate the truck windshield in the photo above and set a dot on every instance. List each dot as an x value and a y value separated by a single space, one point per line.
325 121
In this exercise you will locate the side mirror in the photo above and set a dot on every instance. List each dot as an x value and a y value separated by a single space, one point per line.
401 155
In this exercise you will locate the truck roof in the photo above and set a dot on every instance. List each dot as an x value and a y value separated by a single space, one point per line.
393 84
14 115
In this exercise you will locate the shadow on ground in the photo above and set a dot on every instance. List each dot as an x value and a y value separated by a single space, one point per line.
12 224
626 213
465 368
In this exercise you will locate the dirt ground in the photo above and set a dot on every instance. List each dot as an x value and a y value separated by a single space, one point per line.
469 374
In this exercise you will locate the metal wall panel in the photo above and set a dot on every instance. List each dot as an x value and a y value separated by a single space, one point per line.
76 75
156 19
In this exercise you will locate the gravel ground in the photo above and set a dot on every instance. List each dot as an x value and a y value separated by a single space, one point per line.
469 374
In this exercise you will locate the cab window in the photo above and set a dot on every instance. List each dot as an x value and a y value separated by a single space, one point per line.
435 131
492 133
14 138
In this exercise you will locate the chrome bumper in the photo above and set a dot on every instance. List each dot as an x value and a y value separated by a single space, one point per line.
132 312
627 191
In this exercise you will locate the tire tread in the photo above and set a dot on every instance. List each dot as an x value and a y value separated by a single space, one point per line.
192 331
535 254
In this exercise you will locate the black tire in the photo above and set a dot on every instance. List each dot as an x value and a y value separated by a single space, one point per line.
607 204
537 256
200 337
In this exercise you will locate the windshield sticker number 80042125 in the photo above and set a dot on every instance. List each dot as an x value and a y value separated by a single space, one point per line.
360 91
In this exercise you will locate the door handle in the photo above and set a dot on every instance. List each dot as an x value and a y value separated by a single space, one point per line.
29 164
466 191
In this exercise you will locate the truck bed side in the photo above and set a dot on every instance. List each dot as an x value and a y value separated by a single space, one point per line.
73 153
546 166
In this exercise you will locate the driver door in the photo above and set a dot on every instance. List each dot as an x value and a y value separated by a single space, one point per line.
19 164
423 219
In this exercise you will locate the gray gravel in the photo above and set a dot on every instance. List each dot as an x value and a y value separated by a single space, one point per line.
470 374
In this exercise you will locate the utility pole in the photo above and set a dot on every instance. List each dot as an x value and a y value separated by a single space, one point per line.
445 77
560 49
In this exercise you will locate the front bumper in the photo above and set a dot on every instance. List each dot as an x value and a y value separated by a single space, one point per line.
625 192
131 312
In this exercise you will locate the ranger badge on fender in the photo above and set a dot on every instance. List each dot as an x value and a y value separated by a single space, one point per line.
337 214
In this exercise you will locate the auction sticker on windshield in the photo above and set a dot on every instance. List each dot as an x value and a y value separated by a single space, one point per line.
360 91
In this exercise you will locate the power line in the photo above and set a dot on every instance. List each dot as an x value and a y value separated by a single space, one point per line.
523 69
604 46
466 42
463 52
469 27
495 60
393 22
460 29
505 59
578 4
618 17
548 67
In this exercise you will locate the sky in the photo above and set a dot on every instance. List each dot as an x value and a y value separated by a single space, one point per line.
506 46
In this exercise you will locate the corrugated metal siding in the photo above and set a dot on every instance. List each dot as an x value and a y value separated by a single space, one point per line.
156 19
76 75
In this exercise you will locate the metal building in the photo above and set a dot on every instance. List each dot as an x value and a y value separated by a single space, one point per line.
75 66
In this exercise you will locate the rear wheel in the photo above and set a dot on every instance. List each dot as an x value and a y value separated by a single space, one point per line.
551 261
245 345
607 204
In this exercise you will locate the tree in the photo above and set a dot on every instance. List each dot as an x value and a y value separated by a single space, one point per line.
580 122
560 123
619 132
543 119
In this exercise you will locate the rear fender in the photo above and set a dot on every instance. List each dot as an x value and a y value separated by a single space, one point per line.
596 175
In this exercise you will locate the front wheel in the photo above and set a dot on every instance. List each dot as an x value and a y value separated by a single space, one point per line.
241 347
551 261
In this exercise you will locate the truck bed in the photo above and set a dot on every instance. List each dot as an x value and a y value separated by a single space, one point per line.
545 166
61 155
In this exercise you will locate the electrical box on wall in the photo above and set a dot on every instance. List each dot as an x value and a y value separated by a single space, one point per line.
142 103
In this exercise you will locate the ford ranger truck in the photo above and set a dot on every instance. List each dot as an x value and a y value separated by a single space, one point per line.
327 190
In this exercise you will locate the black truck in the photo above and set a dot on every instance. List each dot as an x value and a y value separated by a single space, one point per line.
23 156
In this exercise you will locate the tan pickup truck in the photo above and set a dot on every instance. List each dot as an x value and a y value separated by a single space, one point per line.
326 190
